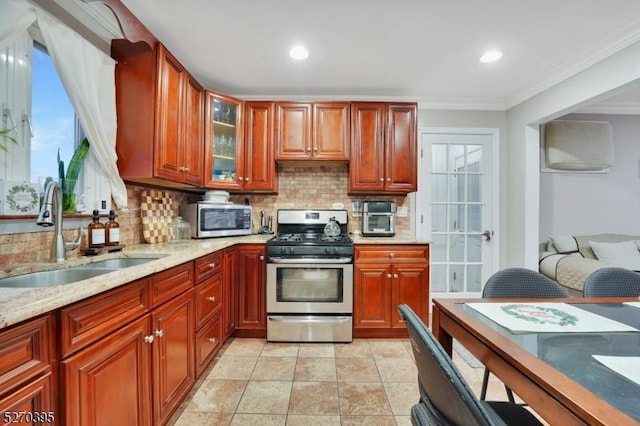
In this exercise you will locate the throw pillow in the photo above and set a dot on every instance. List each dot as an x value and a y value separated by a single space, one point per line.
564 243
624 254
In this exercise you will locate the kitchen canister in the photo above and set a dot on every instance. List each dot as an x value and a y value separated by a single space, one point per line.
179 231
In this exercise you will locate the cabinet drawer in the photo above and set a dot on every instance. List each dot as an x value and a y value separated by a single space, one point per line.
25 351
208 299
90 320
392 254
208 266
32 401
208 341
168 284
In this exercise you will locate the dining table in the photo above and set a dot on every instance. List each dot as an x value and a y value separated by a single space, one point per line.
573 361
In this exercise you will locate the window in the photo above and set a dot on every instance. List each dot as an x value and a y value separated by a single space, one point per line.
53 119
36 106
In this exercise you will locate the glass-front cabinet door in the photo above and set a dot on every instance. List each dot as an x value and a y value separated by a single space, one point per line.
223 135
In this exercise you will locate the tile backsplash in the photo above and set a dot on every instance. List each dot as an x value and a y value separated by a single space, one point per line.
298 187
317 187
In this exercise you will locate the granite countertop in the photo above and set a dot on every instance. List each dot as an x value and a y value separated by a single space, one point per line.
19 304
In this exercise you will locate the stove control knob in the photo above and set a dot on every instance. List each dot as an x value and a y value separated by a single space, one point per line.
291 250
283 250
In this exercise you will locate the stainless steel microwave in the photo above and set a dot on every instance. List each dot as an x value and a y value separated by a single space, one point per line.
209 220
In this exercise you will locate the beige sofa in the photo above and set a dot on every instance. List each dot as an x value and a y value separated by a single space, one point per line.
568 259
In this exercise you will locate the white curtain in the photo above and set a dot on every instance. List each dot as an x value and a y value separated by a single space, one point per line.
15 18
88 76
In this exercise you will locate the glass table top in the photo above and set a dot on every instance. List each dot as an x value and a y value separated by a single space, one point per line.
572 353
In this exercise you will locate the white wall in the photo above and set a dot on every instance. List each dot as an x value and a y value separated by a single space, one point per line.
585 88
579 203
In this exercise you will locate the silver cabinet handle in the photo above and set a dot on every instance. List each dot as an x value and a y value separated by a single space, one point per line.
388 275
388 179
381 179
212 265
211 299
392 254
212 339
148 339
159 333
261 257
395 275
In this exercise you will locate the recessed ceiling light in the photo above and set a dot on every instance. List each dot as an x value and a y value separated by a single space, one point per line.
491 56
299 52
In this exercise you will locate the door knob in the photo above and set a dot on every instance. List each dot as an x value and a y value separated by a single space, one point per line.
487 235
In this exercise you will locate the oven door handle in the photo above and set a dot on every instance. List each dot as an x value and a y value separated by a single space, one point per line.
309 319
309 260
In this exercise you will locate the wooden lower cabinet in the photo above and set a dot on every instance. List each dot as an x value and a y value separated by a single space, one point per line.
252 314
28 373
109 382
209 340
229 291
32 404
385 277
173 348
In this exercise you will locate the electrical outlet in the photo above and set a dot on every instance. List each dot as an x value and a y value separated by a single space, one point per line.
402 211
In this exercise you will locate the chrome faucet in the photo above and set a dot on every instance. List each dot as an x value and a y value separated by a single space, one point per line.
51 214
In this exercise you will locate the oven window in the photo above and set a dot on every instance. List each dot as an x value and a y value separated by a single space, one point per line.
309 285
379 223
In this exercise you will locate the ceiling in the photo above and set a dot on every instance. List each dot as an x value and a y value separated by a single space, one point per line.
419 50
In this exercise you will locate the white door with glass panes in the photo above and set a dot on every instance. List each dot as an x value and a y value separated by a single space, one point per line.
456 208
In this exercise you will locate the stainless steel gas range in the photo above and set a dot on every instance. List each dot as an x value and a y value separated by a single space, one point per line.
310 278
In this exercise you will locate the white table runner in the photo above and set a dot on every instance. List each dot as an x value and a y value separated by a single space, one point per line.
626 366
547 318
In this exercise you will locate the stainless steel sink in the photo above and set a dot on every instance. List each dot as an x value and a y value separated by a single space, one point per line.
123 262
71 275
51 278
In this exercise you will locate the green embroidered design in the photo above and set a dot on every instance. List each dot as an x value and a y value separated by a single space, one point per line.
22 198
540 314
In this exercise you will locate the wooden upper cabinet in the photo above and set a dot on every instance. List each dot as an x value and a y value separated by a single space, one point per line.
331 131
259 169
383 147
160 110
293 131
366 168
224 159
193 141
401 164
312 131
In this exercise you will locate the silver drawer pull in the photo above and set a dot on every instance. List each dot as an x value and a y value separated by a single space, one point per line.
212 265
148 339
211 299
212 339
159 333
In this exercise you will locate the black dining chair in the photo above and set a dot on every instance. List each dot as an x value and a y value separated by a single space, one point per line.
518 283
445 396
612 282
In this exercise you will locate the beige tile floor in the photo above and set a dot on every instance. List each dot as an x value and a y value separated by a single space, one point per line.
366 382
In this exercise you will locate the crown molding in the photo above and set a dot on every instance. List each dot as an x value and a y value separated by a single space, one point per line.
434 103
617 41
612 108
463 103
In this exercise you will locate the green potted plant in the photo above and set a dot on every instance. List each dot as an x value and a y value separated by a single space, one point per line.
68 180
6 135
